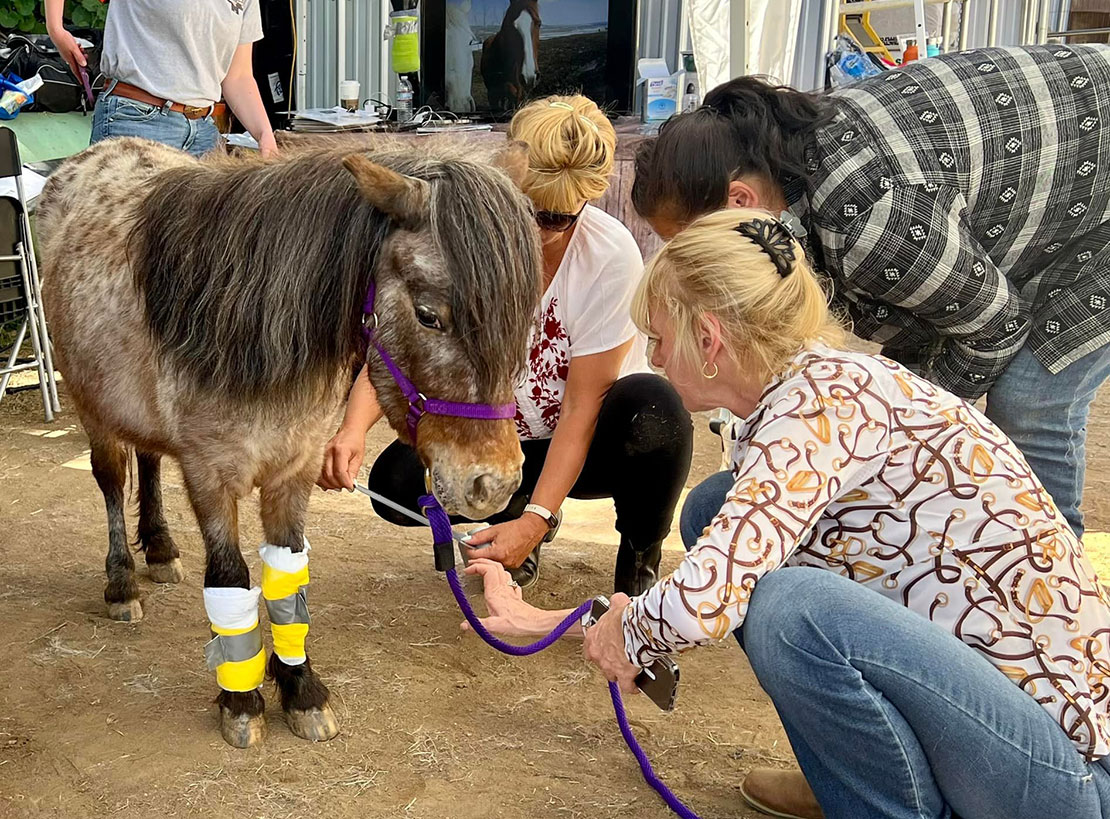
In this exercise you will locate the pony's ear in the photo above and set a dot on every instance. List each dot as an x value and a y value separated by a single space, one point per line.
403 198
513 160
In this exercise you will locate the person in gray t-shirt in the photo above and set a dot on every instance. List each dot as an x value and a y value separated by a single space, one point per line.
166 63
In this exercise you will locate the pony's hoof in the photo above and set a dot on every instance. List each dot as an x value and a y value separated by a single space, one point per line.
242 730
129 612
316 724
167 572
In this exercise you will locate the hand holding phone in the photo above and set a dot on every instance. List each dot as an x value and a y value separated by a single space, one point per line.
659 680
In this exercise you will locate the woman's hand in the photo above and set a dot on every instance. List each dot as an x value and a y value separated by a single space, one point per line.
604 646
508 613
267 145
342 459
67 46
507 543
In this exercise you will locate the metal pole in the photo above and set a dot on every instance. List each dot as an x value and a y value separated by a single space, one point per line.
383 49
919 26
992 26
340 45
301 22
946 28
830 25
738 38
1042 22
1079 32
965 24
1063 14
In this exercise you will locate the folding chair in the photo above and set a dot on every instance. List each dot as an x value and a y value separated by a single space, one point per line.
20 288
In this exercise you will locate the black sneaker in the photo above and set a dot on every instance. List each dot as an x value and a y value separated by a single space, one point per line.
528 572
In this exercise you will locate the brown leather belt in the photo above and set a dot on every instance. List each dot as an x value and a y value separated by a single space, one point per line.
133 92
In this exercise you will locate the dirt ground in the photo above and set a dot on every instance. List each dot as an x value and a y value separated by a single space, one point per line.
112 719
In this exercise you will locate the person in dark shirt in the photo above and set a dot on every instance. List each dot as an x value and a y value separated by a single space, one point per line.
959 208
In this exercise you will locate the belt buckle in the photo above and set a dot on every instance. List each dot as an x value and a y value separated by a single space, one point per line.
195 112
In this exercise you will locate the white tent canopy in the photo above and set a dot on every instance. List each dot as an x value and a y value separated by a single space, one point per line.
772 28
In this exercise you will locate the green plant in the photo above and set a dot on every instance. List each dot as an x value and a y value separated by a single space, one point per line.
28 15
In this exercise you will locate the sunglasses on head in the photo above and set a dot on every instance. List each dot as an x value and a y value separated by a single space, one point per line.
557 222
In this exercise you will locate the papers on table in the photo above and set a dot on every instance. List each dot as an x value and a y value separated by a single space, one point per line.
330 120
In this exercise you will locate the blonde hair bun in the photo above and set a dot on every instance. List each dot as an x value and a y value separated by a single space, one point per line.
571 147
746 268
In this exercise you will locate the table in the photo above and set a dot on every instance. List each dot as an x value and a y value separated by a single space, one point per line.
617 201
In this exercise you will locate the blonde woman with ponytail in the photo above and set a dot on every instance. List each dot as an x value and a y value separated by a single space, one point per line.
918 610
594 422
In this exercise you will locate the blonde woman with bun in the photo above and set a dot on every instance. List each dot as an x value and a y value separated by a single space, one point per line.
594 422
907 593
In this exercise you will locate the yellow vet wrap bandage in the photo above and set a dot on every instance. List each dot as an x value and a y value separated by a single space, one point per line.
284 587
277 584
235 652
241 675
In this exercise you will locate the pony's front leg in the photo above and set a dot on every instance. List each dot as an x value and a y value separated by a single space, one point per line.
304 698
235 650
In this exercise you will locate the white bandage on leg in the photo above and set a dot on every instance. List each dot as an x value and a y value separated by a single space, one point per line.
285 589
235 652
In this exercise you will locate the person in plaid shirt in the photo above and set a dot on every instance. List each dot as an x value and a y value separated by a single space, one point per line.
960 208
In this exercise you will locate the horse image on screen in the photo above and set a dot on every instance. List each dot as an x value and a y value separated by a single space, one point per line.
502 53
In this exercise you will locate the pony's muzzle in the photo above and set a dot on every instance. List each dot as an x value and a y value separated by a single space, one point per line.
489 489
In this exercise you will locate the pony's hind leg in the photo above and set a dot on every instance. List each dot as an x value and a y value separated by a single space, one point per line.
304 698
162 558
109 465
235 651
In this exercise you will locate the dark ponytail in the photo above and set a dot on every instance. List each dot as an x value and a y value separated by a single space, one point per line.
746 126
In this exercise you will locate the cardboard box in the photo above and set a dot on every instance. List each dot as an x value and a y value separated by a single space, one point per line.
660 92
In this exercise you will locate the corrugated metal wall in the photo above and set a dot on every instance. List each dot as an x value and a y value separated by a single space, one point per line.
660 27
363 40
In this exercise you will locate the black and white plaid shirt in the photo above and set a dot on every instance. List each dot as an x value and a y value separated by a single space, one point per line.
962 207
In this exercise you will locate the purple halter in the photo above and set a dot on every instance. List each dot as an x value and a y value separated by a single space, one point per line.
419 404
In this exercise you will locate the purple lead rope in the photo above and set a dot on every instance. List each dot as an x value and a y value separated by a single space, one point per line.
444 538
441 531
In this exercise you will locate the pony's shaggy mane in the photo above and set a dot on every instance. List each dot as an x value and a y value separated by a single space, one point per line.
253 275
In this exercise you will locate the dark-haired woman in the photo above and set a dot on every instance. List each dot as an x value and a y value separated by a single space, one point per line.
593 421
960 208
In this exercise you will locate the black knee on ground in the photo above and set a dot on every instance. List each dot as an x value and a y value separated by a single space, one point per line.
299 687
648 417
397 474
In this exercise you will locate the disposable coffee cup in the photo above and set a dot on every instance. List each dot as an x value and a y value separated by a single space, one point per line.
348 94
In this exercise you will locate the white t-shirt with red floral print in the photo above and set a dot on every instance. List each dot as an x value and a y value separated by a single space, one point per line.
584 311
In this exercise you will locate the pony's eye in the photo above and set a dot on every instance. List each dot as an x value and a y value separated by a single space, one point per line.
427 317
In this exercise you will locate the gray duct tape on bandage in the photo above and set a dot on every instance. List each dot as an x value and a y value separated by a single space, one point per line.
233 648
291 609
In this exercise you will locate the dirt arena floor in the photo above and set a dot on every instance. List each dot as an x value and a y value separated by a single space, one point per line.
116 720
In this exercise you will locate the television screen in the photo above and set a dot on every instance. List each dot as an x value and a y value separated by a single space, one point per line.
498 54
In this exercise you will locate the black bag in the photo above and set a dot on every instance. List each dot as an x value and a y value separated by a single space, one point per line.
30 54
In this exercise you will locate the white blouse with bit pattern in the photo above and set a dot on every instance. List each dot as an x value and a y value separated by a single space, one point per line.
585 310
840 434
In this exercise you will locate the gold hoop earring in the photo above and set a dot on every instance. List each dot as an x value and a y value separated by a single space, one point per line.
712 375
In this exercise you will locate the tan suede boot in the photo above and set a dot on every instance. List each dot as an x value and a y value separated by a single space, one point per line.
780 793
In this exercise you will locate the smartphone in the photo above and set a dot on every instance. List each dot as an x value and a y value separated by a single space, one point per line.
660 680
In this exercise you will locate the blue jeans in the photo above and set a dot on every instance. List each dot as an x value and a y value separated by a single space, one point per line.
891 716
1046 416
119 117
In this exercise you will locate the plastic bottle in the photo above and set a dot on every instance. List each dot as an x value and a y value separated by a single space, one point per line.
691 96
910 52
933 46
403 105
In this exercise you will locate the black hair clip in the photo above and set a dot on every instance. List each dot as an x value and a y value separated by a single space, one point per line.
774 238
